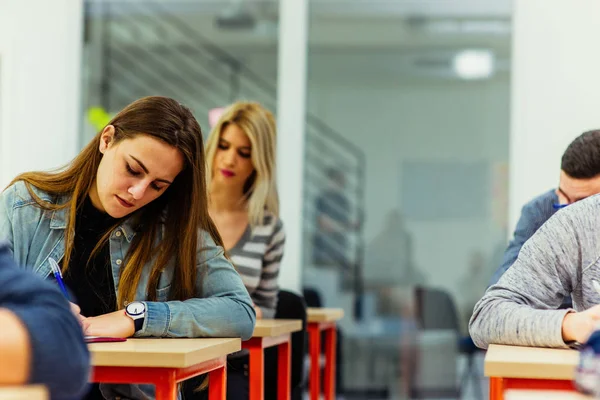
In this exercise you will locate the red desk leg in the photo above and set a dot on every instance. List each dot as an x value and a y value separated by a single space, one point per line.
256 346
257 368
166 386
284 375
330 347
496 388
217 384
314 336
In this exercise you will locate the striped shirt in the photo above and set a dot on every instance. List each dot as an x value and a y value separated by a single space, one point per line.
257 257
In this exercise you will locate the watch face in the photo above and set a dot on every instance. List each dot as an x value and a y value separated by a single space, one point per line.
135 308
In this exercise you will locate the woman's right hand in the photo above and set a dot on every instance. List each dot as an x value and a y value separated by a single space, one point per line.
580 325
77 312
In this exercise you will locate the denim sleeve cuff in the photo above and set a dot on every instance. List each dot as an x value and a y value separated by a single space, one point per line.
157 321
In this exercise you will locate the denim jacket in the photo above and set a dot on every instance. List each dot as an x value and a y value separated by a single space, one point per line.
222 307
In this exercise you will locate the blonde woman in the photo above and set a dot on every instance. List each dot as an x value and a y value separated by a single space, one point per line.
240 153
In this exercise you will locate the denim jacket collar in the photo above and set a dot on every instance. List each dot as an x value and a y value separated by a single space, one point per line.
59 221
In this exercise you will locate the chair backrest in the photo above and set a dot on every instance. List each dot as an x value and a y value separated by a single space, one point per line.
435 309
312 297
289 306
436 346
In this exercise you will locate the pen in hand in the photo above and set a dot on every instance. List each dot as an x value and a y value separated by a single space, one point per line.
58 277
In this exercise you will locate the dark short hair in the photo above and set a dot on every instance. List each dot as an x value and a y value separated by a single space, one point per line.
581 160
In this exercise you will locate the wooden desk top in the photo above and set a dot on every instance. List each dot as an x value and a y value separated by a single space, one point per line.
28 392
544 395
324 314
530 362
276 327
167 353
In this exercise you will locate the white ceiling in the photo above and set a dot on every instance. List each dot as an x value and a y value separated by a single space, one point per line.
413 38
424 8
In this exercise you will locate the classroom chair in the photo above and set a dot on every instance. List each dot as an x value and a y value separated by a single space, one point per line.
436 311
289 306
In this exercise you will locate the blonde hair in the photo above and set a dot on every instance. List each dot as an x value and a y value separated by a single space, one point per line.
259 125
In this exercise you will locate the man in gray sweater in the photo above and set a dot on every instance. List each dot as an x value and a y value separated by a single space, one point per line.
562 258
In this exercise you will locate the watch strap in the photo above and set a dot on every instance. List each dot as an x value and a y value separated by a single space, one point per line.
138 323
573 344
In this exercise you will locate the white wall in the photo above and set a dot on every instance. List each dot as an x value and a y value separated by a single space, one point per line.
41 41
555 94
291 117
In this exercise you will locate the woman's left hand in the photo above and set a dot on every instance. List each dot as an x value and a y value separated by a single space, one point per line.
115 324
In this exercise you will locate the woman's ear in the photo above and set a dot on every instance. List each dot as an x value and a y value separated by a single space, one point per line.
106 138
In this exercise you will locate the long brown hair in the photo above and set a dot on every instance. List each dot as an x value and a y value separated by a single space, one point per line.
180 211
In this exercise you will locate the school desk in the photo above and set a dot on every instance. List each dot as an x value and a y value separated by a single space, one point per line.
516 367
544 395
322 320
27 392
163 363
268 333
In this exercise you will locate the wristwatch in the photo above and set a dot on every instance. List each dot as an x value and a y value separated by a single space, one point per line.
136 310
575 345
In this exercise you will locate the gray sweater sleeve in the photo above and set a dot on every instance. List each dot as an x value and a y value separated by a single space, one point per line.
521 308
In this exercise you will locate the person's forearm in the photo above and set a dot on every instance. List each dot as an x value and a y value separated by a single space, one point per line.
15 349
499 319
521 309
